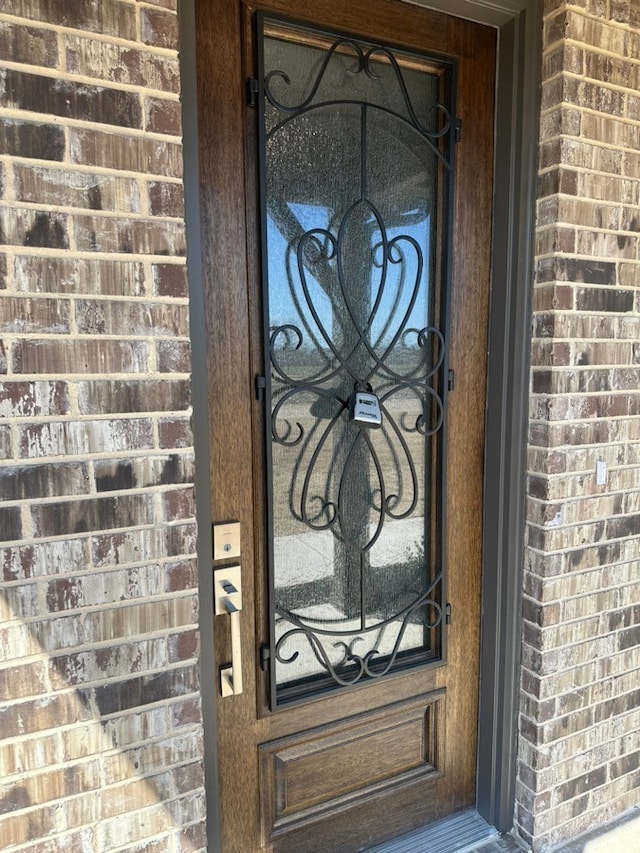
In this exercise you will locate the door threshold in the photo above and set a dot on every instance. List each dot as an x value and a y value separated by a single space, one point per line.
461 832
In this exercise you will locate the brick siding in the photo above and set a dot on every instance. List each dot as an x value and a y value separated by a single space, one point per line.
579 749
99 698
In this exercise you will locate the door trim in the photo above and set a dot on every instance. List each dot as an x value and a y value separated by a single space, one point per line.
519 25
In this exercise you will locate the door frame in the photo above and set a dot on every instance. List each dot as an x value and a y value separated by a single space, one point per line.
519 26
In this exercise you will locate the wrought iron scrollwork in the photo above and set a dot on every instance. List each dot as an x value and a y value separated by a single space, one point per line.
309 414
363 65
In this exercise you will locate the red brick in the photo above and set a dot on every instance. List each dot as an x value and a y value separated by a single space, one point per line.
143 472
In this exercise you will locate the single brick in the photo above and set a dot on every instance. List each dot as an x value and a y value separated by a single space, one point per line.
584 270
174 356
111 662
67 99
181 539
22 680
137 692
31 45
129 236
185 713
68 438
133 154
596 97
178 505
603 300
159 28
629 639
101 396
133 546
163 116
109 18
33 228
68 188
44 559
81 275
181 576
84 516
43 481
26 314
79 356
130 65
139 619
175 432
10 523
166 199
31 139
98 317
40 715
170 280
183 646
34 399
143 472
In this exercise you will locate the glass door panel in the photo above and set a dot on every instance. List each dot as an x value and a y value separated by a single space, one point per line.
356 172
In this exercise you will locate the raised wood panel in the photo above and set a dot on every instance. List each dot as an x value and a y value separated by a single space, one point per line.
327 769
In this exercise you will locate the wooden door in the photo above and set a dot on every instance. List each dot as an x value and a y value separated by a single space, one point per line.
361 744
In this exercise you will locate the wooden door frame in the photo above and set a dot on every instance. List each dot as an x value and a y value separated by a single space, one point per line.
519 25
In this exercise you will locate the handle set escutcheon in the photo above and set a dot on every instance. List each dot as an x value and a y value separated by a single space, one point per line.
227 591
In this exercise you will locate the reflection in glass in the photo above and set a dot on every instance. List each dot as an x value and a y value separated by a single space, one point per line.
355 151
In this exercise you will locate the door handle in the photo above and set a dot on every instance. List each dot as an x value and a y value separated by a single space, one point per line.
227 587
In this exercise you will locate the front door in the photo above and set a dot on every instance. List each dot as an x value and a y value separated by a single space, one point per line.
346 163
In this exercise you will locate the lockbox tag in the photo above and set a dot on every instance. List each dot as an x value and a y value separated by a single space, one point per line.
365 409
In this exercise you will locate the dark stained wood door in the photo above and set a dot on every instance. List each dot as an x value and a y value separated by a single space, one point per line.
349 767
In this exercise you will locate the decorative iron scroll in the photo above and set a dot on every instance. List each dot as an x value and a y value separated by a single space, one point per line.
335 457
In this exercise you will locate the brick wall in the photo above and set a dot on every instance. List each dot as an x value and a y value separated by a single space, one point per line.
99 706
580 709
